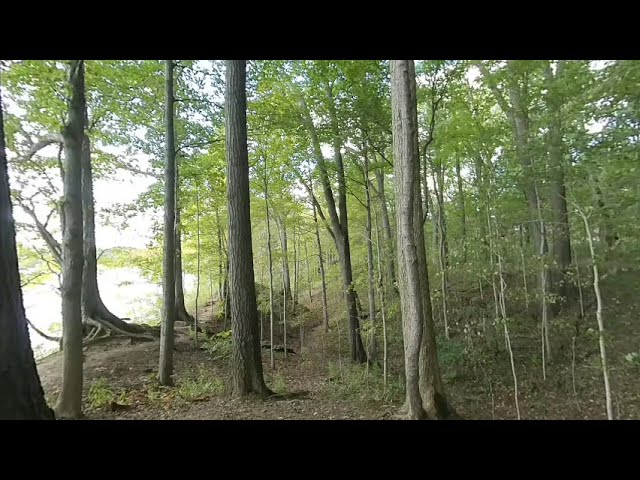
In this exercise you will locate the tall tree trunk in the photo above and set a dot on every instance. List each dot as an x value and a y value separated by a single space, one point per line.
181 309
518 114
22 396
285 257
561 237
169 258
463 219
325 309
443 245
386 229
480 195
270 257
220 274
94 309
404 123
198 263
339 223
372 344
70 400
246 357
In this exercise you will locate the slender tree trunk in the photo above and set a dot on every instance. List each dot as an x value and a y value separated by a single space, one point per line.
381 295
601 331
181 310
325 309
70 400
561 237
405 149
443 246
296 271
284 314
340 225
220 273
373 347
22 397
197 262
270 257
169 260
463 219
306 256
480 199
386 226
246 357
285 257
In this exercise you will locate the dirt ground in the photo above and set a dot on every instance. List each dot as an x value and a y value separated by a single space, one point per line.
120 380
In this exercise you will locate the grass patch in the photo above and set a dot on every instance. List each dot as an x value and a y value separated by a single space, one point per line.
356 383
219 346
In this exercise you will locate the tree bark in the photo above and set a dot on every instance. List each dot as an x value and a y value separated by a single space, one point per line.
181 310
386 229
339 223
463 219
325 309
169 259
93 307
22 397
246 357
561 237
70 400
270 258
285 257
404 123
372 343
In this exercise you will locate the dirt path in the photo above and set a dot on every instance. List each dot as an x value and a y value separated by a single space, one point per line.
126 373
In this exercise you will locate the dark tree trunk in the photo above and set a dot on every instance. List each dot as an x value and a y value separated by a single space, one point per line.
386 229
561 238
220 274
270 258
286 277
339 223
22 397
463 219
325 310
169 259
246 358
181 310
93 307
70 401
372 344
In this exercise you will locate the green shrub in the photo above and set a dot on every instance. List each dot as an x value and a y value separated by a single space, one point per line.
220 345
356 382
100 394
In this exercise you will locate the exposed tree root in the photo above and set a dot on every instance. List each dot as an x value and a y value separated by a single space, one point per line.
42 334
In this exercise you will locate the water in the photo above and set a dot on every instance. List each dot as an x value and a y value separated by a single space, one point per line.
124 291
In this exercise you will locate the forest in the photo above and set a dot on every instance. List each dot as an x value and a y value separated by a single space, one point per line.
319 239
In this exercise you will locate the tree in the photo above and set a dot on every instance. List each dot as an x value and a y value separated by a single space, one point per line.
246 357
70 401
169 269
424 390
22 396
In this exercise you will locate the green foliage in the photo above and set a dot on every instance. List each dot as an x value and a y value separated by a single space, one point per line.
359 384
200 387
220 345
633 358
101 394
55 327
452 356
279 383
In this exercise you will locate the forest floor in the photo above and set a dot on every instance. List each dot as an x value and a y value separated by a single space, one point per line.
120 377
